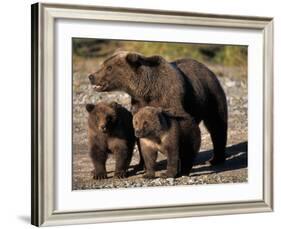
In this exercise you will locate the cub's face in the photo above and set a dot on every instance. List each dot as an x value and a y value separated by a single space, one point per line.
102 116
111 73
147 122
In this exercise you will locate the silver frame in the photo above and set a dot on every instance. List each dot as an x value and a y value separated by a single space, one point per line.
43 122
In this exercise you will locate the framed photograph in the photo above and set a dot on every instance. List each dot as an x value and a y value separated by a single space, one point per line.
144 114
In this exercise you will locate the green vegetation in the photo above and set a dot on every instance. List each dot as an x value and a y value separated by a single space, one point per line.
226 55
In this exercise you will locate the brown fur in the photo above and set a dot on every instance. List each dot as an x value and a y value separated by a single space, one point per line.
178 139
110 131
180 87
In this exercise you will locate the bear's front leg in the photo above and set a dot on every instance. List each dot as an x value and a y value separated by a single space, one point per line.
98 174
149 156
122 157
99 159
140 165
172 162
99 171
121 164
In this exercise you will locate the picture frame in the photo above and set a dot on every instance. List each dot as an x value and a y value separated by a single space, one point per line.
44 17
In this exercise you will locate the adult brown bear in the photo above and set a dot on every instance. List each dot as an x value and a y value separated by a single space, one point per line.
184 85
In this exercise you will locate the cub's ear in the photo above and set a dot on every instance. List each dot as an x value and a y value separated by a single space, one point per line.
115 105
90 107
137 60
159 109
162 119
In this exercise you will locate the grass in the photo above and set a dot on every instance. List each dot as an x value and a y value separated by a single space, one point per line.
227 55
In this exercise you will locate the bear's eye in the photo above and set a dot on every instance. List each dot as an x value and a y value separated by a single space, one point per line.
145 123
109 68
108 118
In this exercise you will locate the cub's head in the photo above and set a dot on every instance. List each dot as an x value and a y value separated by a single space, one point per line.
116 72
149 122
102 116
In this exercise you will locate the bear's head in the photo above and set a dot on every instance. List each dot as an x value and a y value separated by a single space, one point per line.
149 121
102 116
119 71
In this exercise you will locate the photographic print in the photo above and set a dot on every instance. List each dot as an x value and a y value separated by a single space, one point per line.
136 103
158 114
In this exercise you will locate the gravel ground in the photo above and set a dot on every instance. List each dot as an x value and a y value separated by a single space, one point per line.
234 169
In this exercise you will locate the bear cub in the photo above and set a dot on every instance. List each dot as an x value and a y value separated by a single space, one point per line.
177 138
110 130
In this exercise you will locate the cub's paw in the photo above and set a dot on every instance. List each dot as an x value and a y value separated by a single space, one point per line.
149 176
99 175
167 175
163 175
120 174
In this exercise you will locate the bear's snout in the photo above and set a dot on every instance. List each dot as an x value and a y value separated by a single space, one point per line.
138 133
103 128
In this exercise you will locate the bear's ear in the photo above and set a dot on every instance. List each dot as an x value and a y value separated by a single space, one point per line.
115 105
133 59
152 60
137 60
90 107
162 119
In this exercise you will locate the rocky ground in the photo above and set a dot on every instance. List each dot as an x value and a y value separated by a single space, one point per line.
233 171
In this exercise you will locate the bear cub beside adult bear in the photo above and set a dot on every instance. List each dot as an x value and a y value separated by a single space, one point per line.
110 130
178 139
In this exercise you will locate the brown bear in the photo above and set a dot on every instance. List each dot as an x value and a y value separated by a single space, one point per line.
177 138
179 87
110 130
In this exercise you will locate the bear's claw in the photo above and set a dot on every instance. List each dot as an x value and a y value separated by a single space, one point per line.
99 176
120 175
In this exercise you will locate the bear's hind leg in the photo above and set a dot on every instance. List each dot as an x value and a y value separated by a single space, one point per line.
217 127
187 156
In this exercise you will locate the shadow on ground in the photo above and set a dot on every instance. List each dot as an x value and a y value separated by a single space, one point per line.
236 158
25 219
